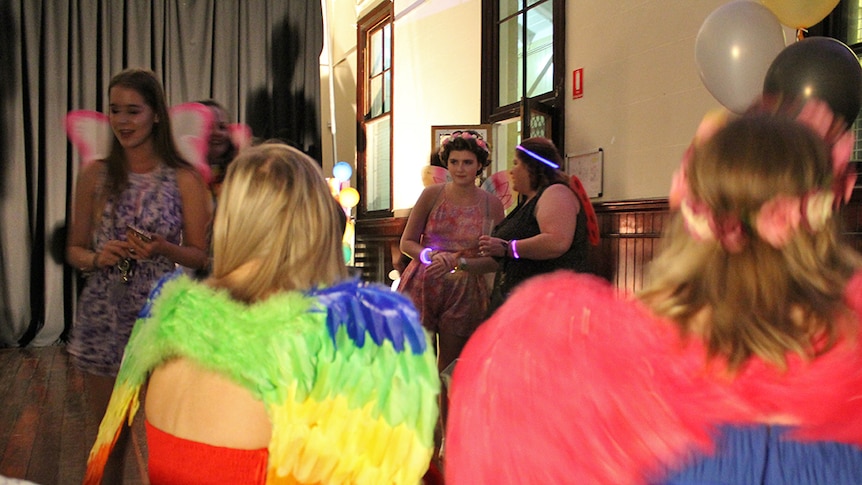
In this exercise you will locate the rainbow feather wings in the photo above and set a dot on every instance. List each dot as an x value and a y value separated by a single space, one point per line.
346 374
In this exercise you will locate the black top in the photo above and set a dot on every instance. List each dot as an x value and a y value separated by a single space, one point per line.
521 223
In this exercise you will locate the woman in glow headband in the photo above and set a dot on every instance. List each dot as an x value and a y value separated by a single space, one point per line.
538 157
548 229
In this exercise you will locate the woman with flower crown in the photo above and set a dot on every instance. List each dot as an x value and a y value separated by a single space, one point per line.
445 278
739 362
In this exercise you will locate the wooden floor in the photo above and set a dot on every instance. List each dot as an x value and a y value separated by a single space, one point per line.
46 426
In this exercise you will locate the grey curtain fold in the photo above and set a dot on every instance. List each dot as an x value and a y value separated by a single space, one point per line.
260 58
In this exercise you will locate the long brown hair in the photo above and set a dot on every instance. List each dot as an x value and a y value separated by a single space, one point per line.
761 301
541 174
145 83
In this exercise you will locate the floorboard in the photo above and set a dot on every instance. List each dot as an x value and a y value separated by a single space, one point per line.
46 429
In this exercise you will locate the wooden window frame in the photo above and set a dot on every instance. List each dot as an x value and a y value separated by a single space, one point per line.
554 100
378 17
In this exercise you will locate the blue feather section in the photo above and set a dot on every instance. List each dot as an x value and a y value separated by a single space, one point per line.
156 291
365 308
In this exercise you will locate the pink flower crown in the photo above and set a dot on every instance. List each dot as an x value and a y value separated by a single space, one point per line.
467 135
778 218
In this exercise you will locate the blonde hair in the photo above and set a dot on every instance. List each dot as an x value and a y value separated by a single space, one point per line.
761 301
276 226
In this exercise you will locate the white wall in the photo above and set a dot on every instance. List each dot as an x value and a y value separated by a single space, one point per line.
643 97
340 69
437 81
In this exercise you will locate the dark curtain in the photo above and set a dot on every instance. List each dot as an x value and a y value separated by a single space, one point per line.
260 58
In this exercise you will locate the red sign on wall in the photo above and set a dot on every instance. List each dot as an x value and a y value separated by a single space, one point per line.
578 83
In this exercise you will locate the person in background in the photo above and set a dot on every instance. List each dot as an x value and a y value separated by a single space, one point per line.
221 148
547 231
739 362
278 368
137 215
445 277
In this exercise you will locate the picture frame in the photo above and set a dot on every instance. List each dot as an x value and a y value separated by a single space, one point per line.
440 132
589 168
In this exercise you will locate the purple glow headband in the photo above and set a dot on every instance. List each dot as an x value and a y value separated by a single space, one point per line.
538 157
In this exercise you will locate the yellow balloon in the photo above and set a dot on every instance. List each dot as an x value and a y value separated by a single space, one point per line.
800 14
348 197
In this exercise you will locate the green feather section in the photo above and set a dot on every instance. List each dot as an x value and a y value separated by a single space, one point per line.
269 346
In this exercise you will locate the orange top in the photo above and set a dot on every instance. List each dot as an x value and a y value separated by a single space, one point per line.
177 461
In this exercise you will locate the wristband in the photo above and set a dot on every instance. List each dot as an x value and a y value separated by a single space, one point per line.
425 256
514 245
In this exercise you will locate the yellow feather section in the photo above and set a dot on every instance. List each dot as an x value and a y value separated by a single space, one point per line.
329 443
124 403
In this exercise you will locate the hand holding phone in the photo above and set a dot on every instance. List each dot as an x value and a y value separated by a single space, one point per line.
140 233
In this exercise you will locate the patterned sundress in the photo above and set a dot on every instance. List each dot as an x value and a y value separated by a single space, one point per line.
454 303
108 306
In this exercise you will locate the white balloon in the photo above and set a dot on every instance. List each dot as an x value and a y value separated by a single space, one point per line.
734 48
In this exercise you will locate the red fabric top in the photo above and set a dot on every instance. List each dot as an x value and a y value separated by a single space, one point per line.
177 461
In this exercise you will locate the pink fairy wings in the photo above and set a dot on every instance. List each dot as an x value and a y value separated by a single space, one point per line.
190 126
499 185
240 135
432 175
90 133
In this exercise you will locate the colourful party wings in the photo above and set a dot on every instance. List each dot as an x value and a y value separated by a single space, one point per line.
499 185
346 374
90 133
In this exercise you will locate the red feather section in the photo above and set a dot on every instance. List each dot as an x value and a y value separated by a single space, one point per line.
569 383
587 206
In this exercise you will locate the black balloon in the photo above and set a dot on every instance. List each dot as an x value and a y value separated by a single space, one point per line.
817 67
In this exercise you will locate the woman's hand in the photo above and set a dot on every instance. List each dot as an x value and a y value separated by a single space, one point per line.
143 247
442 262
492 246
112 252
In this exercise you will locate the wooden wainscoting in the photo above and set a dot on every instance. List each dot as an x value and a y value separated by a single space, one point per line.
630 233
376 249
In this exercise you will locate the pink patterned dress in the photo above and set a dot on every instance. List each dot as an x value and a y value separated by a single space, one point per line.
454 303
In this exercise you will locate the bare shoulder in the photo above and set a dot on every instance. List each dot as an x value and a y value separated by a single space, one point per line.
558 194
429 195
492 199
556 200
92 175
94 169
190 179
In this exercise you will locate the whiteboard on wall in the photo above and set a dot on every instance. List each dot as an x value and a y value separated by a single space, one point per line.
588 167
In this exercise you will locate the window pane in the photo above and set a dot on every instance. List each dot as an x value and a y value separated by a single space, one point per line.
377 163
510 7
387 91
854 23
375 53
540 50
375 89
387 46
511 75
